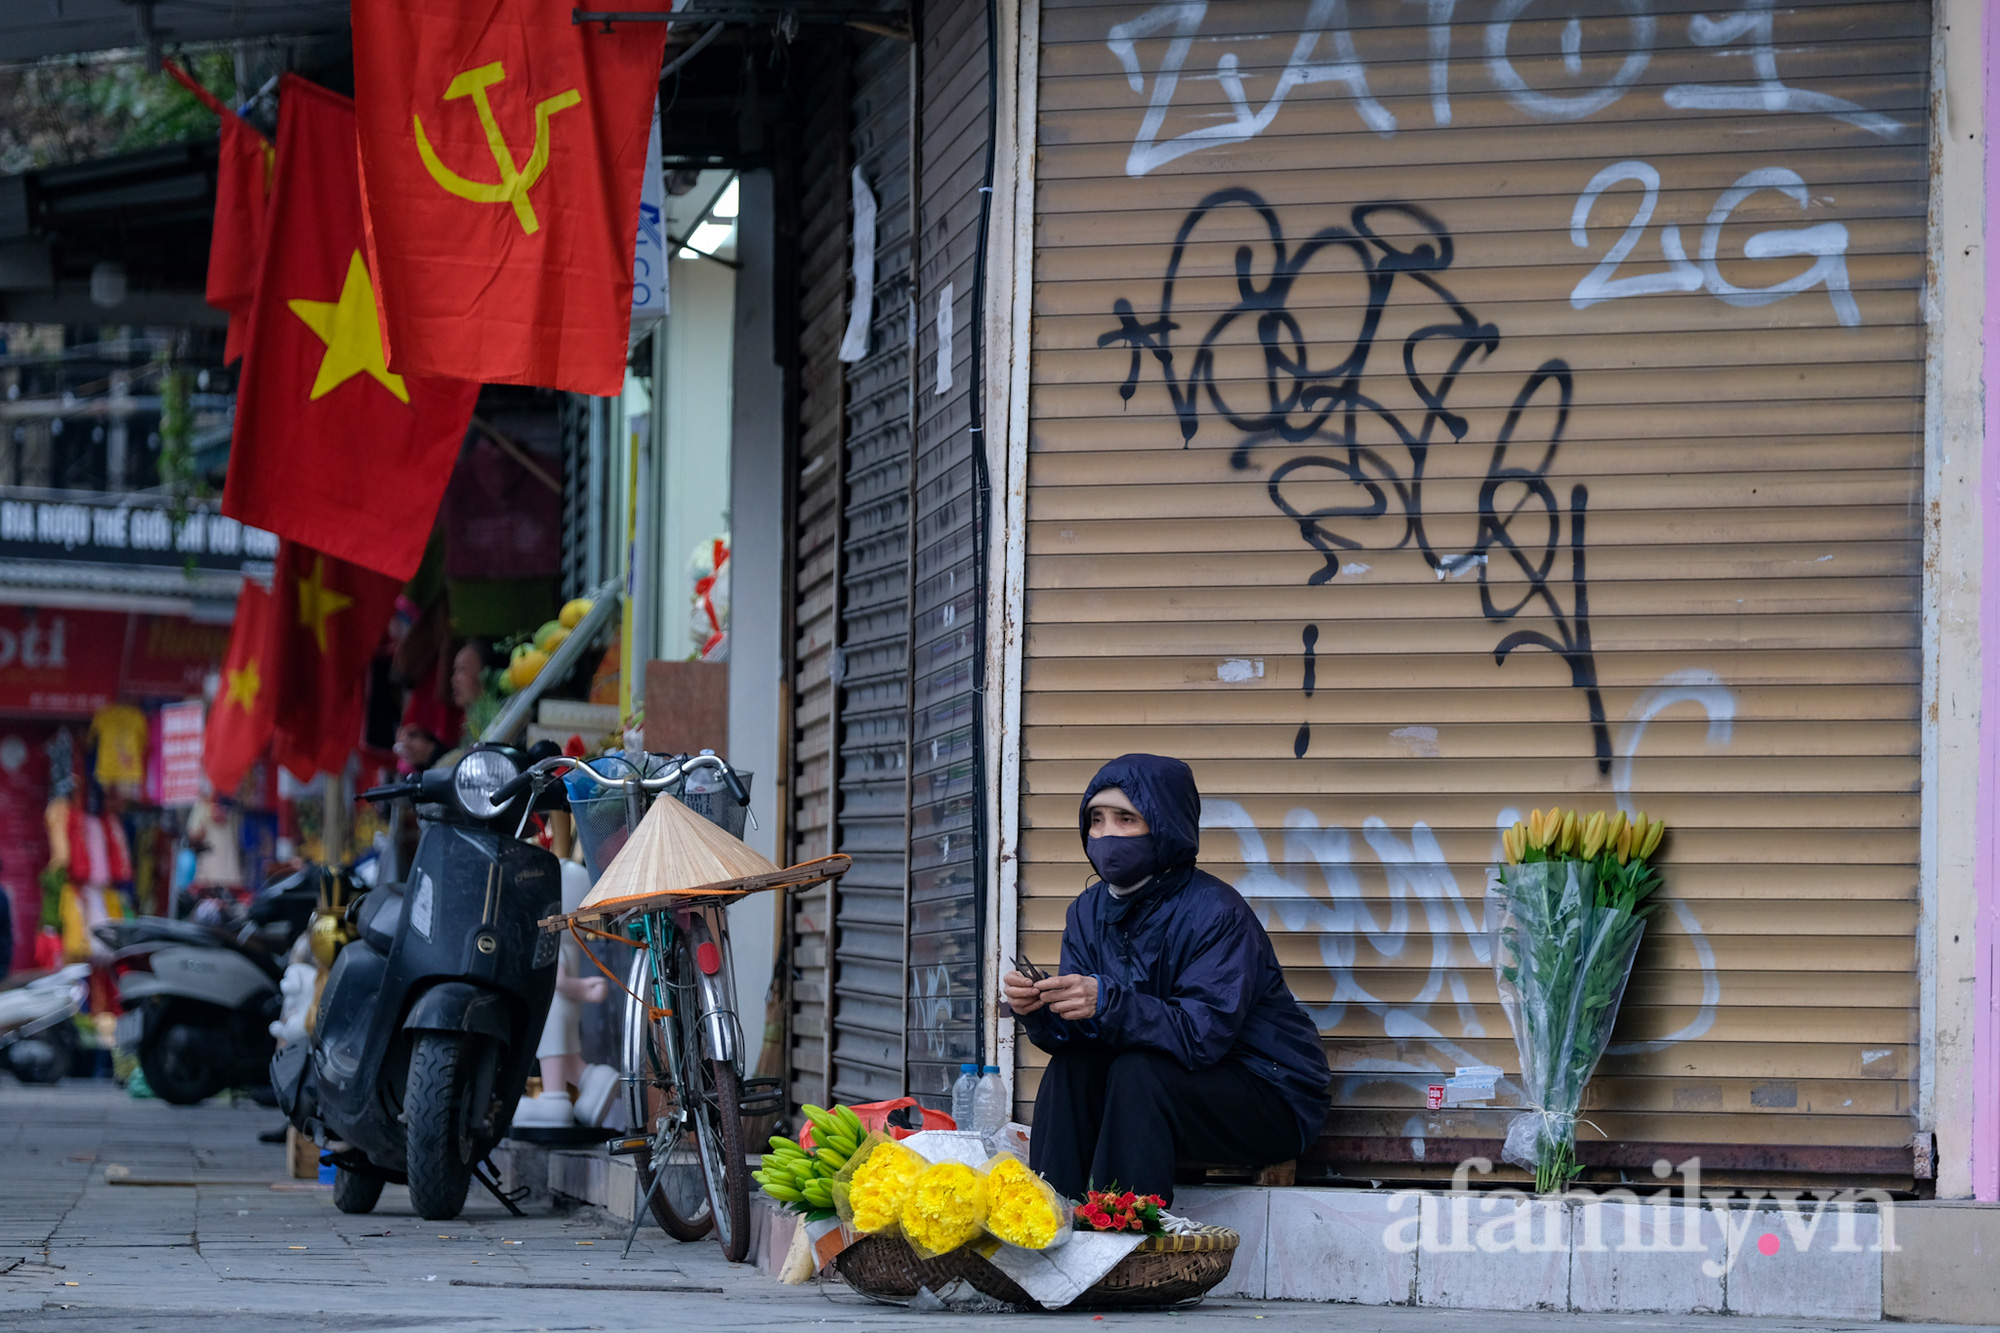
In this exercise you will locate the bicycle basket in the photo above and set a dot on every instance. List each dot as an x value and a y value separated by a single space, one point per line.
600 811
707 795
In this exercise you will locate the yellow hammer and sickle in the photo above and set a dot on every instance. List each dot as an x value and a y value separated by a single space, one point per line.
514 184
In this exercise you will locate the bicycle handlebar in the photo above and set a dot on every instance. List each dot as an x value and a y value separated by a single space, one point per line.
676 770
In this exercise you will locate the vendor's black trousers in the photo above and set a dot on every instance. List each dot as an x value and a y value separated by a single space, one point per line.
1125 1118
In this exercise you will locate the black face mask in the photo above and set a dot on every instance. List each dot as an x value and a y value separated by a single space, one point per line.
1123 862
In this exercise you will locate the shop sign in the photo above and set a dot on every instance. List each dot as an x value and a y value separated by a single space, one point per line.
172 656
59 662
179 727
126 529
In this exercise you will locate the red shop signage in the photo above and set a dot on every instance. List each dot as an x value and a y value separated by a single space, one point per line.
58 662
172 655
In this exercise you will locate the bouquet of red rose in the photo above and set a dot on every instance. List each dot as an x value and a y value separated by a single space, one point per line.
1116 1210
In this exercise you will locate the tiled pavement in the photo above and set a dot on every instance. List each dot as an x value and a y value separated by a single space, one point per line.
242 1248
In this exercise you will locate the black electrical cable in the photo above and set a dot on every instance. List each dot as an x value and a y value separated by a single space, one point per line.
982 505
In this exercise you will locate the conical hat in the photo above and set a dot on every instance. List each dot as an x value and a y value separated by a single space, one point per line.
674 849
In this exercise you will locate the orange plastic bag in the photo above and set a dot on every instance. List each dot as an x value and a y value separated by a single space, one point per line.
875 1119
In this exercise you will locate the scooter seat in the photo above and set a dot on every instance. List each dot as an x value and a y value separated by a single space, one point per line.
163 930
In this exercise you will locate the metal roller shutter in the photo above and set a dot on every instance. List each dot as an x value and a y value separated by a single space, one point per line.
1435 419
821 256
873 675
944 965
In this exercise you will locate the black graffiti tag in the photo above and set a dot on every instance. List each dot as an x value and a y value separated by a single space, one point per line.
1337 494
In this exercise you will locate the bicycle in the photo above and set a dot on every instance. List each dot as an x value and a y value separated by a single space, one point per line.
682 1044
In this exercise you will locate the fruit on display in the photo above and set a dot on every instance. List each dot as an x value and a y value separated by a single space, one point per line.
527 663
573 612
550 636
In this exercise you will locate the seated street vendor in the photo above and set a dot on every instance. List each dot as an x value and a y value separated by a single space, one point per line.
1171 1032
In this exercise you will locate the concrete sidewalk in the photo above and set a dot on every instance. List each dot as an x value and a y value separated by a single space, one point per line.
232 1245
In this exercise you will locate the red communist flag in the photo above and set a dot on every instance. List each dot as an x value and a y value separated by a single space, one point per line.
242 197
239 721
502 148
242 193
332 448
328 620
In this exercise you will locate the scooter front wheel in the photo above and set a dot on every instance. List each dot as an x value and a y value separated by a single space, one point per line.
354 1192
438 1148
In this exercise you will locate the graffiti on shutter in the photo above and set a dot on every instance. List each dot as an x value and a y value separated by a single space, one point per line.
1532 392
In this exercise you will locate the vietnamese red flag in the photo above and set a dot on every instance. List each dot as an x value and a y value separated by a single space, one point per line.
236 243
502 151
242 191
239 721
332 448
329 616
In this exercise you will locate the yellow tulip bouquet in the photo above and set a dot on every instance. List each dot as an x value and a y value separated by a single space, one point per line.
1574 894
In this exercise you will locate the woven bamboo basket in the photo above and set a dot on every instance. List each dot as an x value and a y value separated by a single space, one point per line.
886 1268
1163 1270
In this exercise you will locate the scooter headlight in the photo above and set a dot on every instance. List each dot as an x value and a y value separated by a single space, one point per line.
477 777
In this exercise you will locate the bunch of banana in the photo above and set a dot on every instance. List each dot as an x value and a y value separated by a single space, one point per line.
804 1179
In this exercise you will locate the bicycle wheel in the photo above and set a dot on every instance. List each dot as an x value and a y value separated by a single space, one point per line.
669 1166
714 1096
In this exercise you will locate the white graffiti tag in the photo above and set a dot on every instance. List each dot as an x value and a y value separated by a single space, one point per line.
1705 690
1183 20
1825 243
1769 93
1416 871
1324 52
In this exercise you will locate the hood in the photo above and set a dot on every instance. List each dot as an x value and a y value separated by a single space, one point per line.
1162 790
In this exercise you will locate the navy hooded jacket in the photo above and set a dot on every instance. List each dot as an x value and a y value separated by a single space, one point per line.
1182 966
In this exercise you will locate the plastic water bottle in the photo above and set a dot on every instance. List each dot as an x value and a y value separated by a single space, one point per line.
989 1103
962 1095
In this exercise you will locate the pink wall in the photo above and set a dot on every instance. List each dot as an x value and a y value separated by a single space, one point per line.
1986 1022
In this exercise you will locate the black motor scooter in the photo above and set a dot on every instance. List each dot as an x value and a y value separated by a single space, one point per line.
427 1029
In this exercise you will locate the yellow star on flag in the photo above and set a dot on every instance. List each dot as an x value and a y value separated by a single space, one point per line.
317 602
352 335
243 686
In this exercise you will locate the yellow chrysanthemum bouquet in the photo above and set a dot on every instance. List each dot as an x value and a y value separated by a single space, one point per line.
939 1206
870 1193
944 1209
1023 1209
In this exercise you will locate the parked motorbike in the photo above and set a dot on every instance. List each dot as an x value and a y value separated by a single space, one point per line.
37 1037
202 996
427 1029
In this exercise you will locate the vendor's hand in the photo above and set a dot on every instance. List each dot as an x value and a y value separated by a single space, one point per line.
1020 993
1072 997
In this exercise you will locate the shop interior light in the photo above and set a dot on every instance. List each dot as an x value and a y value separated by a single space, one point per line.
715 227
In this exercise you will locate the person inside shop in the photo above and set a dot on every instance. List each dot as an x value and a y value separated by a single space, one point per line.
1171 1033
416 749
468 686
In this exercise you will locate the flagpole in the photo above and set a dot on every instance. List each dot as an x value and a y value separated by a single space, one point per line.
174 70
